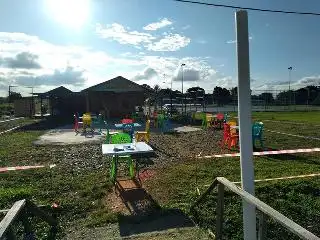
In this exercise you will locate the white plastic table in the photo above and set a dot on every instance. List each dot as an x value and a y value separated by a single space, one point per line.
234 127
120 125
139 148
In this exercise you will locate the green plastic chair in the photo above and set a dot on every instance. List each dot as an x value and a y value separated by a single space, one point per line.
204 124
160 120
118 139
257 130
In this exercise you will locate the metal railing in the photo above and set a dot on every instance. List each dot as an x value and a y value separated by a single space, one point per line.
21 211
264 209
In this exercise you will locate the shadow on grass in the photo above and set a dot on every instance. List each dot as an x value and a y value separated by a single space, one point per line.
46 124
146 214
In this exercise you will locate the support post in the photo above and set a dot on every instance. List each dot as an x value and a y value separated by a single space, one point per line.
219 211
262 226
245 125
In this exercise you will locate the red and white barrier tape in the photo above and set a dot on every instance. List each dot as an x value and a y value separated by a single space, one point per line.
279 178
283 178
6 169
264 153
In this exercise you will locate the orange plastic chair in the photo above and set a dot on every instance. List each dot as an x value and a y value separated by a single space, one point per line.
229 137
144 135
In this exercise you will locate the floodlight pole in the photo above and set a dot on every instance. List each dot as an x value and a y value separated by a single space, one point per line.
245 125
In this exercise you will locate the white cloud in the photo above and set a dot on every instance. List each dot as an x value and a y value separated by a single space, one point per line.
234 41
147 74
186 27
119 33
156 25
171 42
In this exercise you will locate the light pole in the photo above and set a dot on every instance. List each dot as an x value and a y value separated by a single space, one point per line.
182 65
289 70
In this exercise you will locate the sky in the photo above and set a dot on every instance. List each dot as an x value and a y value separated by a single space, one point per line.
80 43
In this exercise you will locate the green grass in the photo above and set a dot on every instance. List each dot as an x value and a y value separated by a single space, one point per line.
298 199
82 190
307 117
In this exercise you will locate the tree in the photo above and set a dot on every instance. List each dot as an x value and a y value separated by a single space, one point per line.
266 97
221 96
195 93
14 96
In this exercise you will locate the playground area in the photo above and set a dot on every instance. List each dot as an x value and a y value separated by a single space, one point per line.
184 162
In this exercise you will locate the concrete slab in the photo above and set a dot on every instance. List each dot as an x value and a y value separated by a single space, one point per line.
186 129
65 135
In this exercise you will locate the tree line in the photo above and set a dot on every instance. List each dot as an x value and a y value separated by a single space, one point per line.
223 96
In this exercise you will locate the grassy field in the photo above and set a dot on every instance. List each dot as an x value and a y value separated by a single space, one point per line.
298 117
80 181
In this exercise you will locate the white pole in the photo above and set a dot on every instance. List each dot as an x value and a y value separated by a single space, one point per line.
245 125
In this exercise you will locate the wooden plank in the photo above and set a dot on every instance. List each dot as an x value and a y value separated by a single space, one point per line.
263 207
11 216
219 211
262 226
41 214
209 189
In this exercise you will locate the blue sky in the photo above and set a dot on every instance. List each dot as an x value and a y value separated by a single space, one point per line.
48 43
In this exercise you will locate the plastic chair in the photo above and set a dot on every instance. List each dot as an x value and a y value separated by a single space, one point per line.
232 123
129 129
86 120
98 123
160 121
166 127
118 139
144 135
229 138
77 123
204 124
127 120
218 122
109 134
257 130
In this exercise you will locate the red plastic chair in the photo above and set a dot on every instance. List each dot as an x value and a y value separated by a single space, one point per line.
77 124
229 138
217 123
126 121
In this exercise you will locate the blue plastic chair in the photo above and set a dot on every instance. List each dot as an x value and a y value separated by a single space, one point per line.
166 126
257 130
128 128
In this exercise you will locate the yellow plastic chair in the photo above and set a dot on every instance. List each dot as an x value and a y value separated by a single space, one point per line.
144 135
87 120
232 130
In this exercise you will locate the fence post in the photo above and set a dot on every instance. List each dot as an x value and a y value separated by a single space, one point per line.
219 211
262 226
